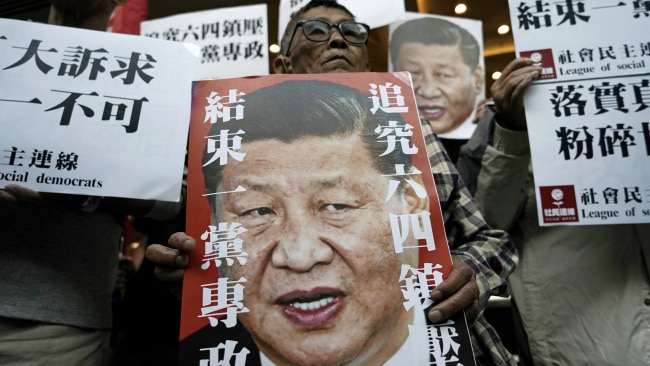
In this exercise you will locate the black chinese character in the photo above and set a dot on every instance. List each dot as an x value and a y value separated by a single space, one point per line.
32 52
132 69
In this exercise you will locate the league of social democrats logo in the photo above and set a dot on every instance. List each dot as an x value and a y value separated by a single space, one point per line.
544 59
558 204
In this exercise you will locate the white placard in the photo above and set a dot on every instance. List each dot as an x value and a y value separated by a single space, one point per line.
233 41
588 116
93 113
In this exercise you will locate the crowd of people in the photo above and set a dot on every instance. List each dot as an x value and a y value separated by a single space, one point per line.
56 292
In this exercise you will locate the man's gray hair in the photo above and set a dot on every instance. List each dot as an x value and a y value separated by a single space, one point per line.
288 31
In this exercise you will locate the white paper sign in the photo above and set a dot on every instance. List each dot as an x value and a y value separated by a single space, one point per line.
588 116
93 113
451 103
376 13
233 41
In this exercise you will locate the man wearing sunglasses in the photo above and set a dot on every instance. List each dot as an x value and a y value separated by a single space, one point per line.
323 37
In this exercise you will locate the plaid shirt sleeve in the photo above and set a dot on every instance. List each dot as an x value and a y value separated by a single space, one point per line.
490 253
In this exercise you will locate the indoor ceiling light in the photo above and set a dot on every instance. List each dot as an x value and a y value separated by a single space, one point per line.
460 8
496 75
503 29
274 48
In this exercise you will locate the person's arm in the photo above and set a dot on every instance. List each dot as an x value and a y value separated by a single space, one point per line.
471 153
14 193
159 210
489 253
504 167
503 177
171 260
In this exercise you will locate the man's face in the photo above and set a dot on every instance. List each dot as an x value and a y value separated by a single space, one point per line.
445 87
334 55
322 273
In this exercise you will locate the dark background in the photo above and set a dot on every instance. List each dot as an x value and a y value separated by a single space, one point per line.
499 49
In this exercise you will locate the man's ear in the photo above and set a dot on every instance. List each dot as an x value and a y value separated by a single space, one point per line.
417 200
478 79
282 65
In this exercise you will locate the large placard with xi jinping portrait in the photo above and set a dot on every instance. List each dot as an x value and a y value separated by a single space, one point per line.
319 232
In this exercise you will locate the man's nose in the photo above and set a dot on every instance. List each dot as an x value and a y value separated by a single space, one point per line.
427 87
336 39
300 246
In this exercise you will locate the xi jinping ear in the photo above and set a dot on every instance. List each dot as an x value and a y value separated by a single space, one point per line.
478 79
416 197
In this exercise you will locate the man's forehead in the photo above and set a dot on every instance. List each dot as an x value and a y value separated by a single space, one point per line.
412 51
450 48
335 177
325 13
272 154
